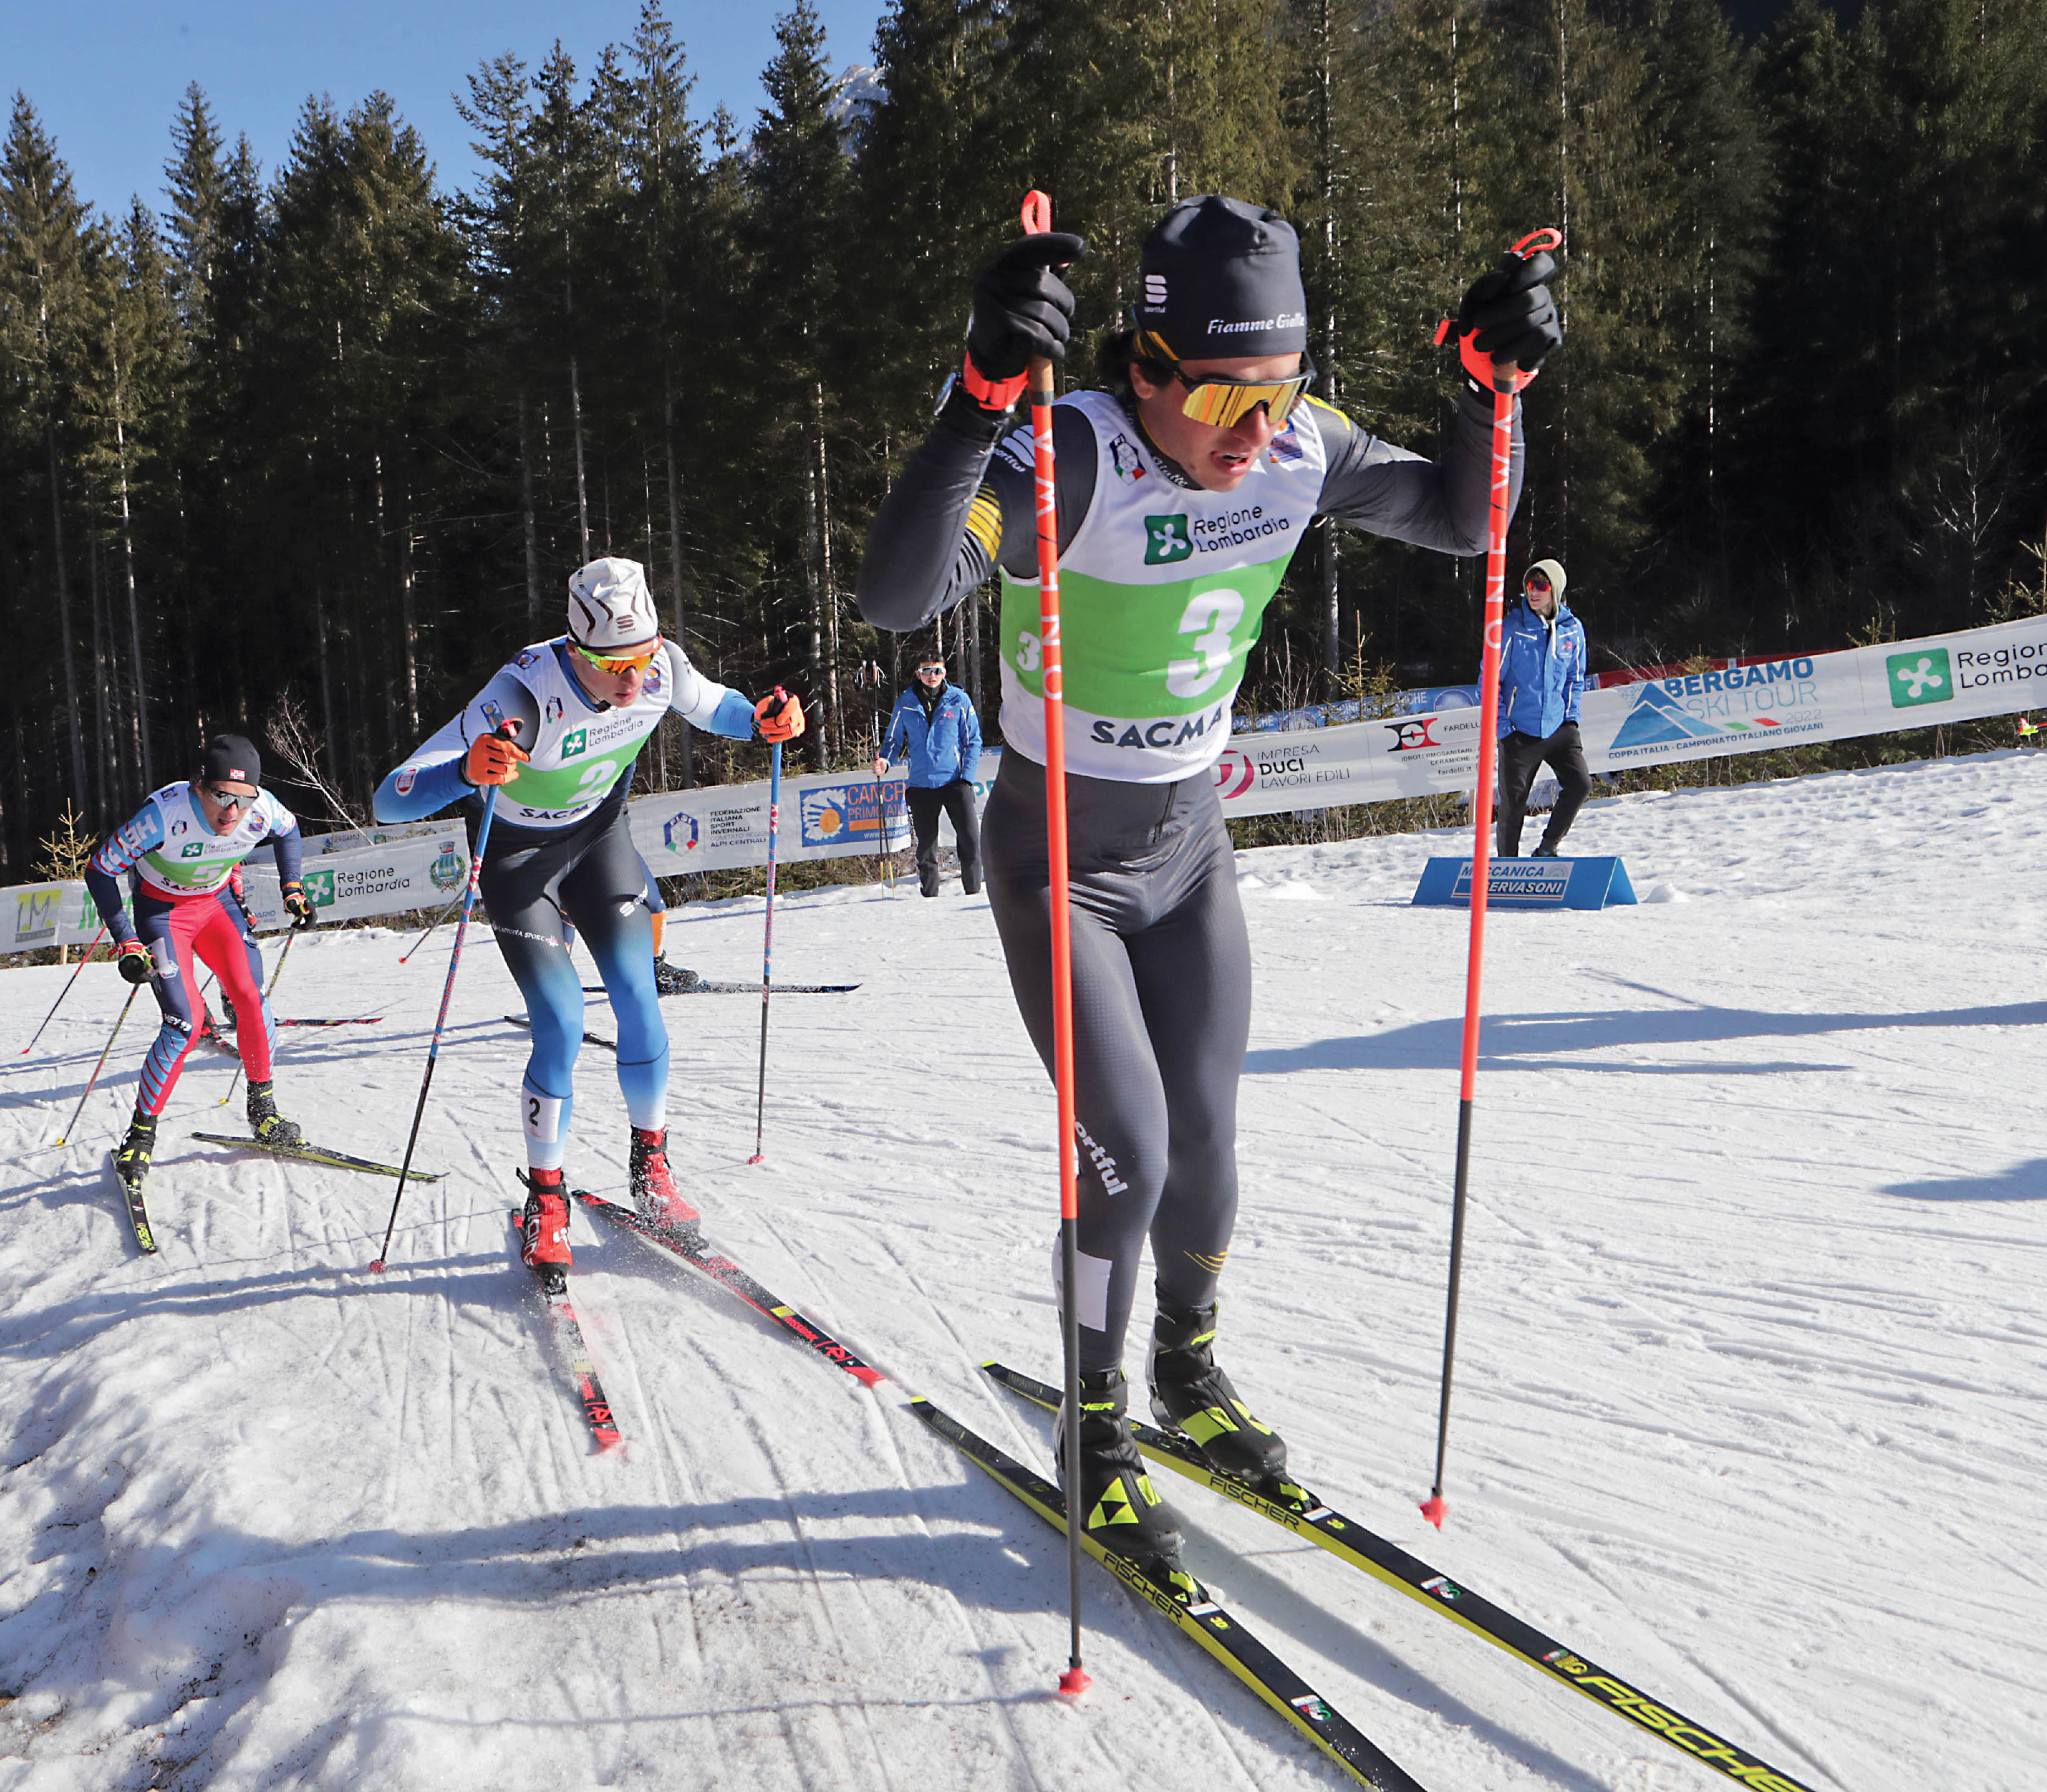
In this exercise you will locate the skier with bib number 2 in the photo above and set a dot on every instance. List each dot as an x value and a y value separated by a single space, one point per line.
1184 487
561 854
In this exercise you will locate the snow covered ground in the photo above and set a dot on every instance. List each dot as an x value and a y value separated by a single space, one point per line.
1750 1397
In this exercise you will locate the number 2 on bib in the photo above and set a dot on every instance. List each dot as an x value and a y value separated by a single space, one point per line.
1209 617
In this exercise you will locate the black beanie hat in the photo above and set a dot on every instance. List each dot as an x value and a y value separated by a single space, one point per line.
1221 279
230 758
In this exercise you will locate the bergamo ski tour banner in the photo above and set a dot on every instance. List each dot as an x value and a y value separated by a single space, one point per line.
1892 686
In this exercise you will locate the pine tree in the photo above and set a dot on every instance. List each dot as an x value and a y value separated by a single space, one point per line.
49 249
129 403
799 189
662 216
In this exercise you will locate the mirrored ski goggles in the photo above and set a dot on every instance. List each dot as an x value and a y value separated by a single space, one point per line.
619 664
1225 403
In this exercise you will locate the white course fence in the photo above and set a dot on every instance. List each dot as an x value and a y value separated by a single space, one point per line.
1878 690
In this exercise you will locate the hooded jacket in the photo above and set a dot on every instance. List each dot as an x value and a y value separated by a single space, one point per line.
1542 666
943 746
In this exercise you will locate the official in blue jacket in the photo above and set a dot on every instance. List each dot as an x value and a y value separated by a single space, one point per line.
935 722
1542 678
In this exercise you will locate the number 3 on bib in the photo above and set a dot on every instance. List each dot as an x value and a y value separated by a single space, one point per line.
1210 617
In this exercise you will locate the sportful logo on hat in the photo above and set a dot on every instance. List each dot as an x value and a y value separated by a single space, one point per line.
1154 289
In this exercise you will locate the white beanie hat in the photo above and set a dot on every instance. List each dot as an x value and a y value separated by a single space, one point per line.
610 607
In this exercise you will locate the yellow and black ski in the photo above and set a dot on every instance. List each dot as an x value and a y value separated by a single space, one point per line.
1194 1611
316 1153
1305 1515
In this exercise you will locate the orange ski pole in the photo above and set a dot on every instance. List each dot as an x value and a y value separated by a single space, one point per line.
1037 220
1506 382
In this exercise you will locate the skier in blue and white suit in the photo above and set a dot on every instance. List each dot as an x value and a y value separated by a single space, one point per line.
558 730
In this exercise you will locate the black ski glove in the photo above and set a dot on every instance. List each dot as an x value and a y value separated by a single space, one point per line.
1508 315
1021 307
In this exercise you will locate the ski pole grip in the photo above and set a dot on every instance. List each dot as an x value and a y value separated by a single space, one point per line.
1037 219
1506 377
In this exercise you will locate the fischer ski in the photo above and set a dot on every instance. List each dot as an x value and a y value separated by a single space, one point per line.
588 1039
702 988
1195 1611
315 1154
689 1245
1301 1513
138 1215
553 1289
350 1021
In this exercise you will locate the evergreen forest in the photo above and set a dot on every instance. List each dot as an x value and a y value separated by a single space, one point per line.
310 451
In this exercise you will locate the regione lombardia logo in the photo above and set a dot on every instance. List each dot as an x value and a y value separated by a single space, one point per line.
1920 677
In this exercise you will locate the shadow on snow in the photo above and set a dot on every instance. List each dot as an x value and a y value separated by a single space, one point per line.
1539 1039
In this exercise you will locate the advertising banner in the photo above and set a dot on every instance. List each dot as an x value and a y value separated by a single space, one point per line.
1754 708
37 915
1591 883
1751 708
422 869
825 816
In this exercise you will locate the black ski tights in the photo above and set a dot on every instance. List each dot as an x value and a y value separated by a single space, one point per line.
1161 1013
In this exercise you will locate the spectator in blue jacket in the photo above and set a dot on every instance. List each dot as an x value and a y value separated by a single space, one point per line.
1542 678
934 722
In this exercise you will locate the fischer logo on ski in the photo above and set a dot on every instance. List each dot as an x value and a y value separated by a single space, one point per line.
1195 1613
1363 1549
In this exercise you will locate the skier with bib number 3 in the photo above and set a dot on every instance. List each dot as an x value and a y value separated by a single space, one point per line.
1184 487
557 731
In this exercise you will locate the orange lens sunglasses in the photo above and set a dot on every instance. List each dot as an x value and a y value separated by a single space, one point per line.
617 666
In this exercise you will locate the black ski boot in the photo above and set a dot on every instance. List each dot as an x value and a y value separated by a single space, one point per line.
131 1162
270 1127
1118 1506
672 980
1190 1396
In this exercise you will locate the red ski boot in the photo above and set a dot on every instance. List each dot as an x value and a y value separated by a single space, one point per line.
655 1194
544 1226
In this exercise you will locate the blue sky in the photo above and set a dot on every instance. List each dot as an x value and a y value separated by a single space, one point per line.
106 75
